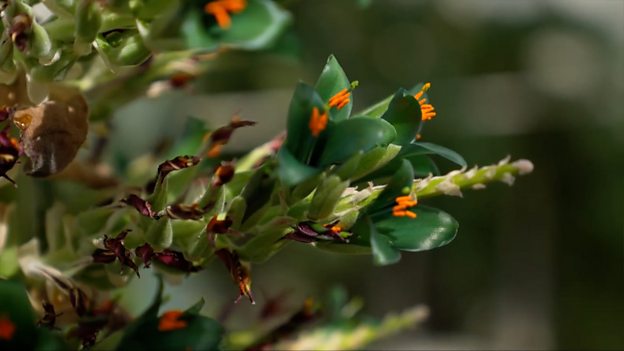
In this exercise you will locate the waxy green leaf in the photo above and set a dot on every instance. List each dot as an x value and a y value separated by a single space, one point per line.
404 114
332 80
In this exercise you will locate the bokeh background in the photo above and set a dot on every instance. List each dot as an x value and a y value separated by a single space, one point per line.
539 265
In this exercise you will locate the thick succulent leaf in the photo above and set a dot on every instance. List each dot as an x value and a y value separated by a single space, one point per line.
258 26
351 136
299 140
378 109
17 317
404 114
397 186
421 148
430 229
199 333
381 247
332 80
291 170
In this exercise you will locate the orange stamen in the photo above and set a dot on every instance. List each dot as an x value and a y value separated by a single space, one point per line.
318 122
170 320
341 99
403 202
427 110
336 229
222 9
410 214
7 329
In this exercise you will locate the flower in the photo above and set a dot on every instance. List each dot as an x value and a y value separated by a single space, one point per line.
170 320
222 10
403 203
341 99
427 110
318 122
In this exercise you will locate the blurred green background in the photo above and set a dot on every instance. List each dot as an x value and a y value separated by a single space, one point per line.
536 266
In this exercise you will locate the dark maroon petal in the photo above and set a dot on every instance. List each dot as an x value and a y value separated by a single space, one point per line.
78 300
143 206
300 237
223 174
103 256
181 211
175 164
222 135
175 259
146 253
219 226
306 229
238 272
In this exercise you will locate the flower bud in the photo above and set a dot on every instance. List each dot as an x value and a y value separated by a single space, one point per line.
326 197
88 22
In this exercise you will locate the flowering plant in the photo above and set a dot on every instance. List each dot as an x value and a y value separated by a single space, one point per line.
339 181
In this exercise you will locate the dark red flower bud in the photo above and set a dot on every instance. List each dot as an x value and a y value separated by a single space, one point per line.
222 135
175 259
143 206
103 256
181 211
146 253
238 272
49 317
223 174
219 226
180 162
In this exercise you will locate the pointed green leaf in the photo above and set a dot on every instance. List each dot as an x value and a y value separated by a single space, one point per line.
332 80
429 148
351 136
399 184
404 114
292 171
430 229
299 139
258 26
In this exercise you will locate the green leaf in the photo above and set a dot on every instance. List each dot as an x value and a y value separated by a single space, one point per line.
422 148
351 136
15 310
404 114
376 158
430 229
160 233
378 109
299 140
326 197
292 171
258 26
397 186
382 250
332 80
200 333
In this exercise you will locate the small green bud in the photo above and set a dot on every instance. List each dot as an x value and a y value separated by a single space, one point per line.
326 197
123 49
88 22
160 234
236 210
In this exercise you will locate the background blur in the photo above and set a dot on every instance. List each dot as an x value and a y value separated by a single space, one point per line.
536 266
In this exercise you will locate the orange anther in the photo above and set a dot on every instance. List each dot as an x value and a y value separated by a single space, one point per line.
410 214
427 110
399 213
7 328
318 122
340 99
170 320
221 10
336 229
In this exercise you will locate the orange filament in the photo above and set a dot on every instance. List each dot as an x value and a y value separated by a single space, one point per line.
170 320
222 9
318 122
403 203
7 329
341 99
427 110
336 229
